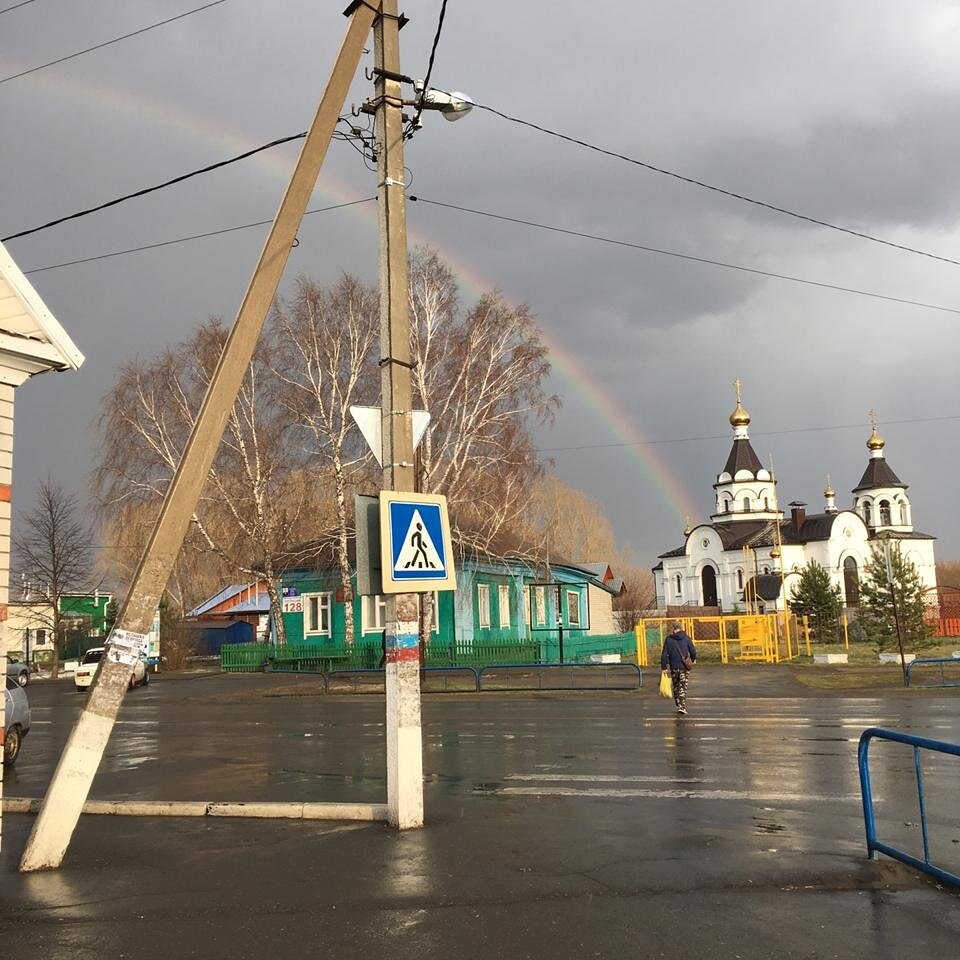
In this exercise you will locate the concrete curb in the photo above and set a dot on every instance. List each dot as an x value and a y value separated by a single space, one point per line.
369 812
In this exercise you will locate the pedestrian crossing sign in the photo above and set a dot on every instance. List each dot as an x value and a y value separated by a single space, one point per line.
415 543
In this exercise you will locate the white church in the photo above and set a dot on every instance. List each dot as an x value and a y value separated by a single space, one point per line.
750 547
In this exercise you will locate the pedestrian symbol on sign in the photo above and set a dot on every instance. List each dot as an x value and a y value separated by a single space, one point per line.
424 554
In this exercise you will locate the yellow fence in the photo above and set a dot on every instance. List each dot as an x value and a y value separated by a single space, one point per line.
763 638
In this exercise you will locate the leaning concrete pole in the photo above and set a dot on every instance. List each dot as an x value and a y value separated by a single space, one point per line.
404 739
81 757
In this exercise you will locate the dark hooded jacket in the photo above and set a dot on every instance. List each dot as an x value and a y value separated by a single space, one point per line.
676 646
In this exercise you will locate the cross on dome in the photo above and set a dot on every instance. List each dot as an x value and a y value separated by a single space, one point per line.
875 441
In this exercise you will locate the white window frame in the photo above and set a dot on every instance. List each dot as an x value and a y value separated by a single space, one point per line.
503 604
436 611
483 606
324 606
538 606
373 614
574 596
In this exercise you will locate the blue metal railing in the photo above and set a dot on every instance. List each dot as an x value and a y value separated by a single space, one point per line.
571 669
875 846
923 661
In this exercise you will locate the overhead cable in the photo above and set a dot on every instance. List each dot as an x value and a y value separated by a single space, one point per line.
433 53
195 236
107 43
726 436
15 6
155 187
690 257
716 189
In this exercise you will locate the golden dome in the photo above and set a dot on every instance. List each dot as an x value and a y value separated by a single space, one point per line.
828 490
739 417
775 553
875 442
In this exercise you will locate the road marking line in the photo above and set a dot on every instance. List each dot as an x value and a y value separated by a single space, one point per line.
602 778
602 792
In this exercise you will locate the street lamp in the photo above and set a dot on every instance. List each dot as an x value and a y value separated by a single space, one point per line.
453 105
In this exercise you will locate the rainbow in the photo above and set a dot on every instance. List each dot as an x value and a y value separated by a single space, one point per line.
566 365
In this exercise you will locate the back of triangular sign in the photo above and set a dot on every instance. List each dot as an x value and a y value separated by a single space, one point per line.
370 422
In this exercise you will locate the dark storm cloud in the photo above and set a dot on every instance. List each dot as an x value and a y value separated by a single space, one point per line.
845 112
869 172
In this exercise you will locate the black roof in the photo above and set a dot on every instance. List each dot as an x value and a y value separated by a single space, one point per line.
913 535
878 474
745 533
761 533
767 585
742 457
675 552
815 526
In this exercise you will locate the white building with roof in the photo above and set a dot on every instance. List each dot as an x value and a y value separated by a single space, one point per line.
749 548
31 342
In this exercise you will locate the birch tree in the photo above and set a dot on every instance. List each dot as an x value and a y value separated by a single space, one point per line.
480 374
327 362
253 496
52 554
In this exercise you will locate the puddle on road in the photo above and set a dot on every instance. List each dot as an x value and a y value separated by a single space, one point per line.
761 827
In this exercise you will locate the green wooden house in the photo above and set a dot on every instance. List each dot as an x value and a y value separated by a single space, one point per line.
505 608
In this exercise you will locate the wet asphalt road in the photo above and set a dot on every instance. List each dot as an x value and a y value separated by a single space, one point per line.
558 826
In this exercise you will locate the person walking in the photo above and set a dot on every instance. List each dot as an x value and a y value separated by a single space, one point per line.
678 657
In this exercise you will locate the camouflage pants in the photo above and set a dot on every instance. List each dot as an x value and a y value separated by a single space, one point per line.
680 679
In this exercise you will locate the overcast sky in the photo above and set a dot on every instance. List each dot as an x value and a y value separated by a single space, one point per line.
846 112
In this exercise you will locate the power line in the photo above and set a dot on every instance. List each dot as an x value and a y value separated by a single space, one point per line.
15 6
433 53
159 186
726 436
107 43
690 257
195 236
713 187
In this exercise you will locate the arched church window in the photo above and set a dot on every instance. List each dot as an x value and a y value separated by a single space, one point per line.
884 512
851 582
903 513
867 513
678 582
739 579
766 570
746 504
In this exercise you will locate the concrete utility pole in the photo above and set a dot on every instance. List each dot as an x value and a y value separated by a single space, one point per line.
404 739
81 757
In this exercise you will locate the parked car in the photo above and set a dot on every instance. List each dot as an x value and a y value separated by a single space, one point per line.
18 670
83 675
17 720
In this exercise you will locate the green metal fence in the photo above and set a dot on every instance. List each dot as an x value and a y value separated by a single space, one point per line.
316 657
244 657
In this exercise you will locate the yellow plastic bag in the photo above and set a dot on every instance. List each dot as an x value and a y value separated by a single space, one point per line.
666 685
